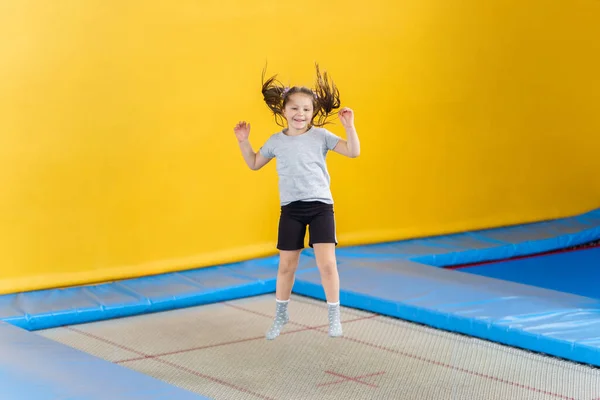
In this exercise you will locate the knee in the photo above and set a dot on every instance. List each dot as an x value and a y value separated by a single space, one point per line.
328 267
288 265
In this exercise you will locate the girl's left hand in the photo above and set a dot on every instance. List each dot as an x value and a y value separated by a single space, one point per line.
346 116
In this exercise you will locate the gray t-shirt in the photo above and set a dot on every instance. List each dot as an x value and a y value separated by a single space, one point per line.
301 166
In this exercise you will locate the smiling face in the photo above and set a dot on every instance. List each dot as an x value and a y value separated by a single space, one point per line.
299 111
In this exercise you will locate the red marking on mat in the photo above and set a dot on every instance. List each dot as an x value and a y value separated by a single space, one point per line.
306 327
423 359
464 370
171 364
346 378
208 346
521 258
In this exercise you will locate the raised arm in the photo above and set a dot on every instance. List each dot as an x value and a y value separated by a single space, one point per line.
254 160
349 147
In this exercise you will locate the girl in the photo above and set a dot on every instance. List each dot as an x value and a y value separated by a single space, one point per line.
304 183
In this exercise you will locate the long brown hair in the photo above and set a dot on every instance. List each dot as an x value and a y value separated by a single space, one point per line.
325 97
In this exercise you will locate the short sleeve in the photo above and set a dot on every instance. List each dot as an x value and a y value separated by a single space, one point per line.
268 149
331 139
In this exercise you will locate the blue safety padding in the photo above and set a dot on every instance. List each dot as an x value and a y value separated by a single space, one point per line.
560 324
516 241
34 367
576 272
59 307
75 305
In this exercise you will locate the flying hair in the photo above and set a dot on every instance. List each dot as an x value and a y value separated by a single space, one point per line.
325 97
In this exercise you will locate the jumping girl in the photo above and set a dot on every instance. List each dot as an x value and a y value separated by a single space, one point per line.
304 183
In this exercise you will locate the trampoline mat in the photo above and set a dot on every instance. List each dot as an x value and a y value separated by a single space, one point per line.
219 351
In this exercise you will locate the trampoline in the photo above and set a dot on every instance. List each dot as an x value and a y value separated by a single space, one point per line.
575 271
496 314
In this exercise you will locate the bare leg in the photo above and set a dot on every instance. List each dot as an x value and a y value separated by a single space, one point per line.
288 263
326 261
330 279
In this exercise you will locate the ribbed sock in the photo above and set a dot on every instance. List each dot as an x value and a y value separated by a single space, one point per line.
335 324
281 318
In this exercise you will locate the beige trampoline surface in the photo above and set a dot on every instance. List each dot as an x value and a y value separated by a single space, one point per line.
219 351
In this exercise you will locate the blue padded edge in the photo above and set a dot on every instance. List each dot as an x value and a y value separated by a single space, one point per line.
585 228
34 367
75 305
46 309
528 317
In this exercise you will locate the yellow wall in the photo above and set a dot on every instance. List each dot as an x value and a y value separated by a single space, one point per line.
117 156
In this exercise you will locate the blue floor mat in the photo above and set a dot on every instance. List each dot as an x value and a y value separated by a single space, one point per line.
576 272
34 367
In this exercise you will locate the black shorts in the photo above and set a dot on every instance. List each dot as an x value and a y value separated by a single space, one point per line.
297 215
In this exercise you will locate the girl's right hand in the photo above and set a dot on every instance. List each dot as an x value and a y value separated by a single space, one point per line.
242 131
